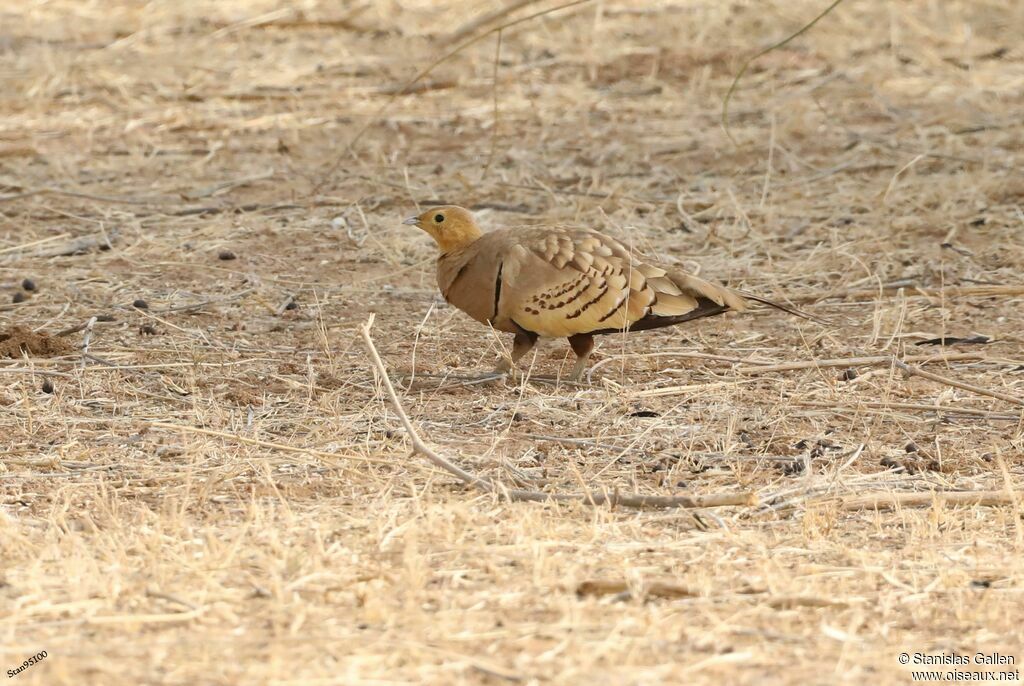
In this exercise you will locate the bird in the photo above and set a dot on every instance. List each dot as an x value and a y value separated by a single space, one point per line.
563 281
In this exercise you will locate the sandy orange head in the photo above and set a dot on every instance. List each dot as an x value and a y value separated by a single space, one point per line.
453 227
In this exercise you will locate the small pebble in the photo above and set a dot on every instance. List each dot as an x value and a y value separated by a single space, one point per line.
292 305
19 297
226 255
47 386
141 304
910 447
28 285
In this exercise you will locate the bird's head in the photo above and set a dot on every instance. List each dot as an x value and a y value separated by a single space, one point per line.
453 227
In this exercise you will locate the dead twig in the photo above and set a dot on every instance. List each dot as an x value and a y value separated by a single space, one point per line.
485 19
923 407
980 390
773 46
203 303
874 360
623 591
350 146
888 500
911 291
224 186
328 458
105 318
87 338
99 241
23 246
591 498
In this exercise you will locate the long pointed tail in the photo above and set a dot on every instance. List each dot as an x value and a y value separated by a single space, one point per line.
786 308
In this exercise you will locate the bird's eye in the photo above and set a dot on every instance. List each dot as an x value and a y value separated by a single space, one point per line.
438 218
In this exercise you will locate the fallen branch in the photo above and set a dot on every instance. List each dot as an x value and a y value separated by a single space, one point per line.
622 589
23 246
325 457
224 186
204 303
874 360
914 371
911 291
765 51
891 501
938 409
99 241
493 16
489 486
422 73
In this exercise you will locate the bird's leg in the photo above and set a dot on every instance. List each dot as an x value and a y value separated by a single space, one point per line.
582 344
521 344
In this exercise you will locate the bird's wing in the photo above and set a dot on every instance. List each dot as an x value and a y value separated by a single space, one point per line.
561 281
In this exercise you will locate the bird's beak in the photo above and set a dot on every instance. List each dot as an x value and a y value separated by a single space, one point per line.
412 221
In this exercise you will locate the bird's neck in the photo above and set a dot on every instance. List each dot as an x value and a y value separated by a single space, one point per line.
457 238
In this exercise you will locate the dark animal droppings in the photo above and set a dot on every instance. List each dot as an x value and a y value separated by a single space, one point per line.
47 386
19 297
28 285
226 255
141 304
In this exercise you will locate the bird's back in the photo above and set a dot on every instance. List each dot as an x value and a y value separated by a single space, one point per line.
563 281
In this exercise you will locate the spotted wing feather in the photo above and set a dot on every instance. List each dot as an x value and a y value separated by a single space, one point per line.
562 282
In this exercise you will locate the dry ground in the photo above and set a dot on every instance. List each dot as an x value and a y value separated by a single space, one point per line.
876 180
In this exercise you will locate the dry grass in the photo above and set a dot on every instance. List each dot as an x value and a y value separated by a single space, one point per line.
219 492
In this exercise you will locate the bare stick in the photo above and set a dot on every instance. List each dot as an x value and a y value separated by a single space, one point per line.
914 371
226 185
204 303
350 146
500 13
23 246
888 500
494 124
911 291
80 245
37 372
874 360
774 46
328 458
940 409
87 339
591 498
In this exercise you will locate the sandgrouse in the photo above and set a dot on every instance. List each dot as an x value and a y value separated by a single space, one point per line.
563 282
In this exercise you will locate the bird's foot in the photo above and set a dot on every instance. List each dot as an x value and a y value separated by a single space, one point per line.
576 375
507 368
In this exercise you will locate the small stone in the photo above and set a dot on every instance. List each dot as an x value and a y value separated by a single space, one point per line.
140 304
28 285
292 305
47 386
19 297
910 447
226 255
